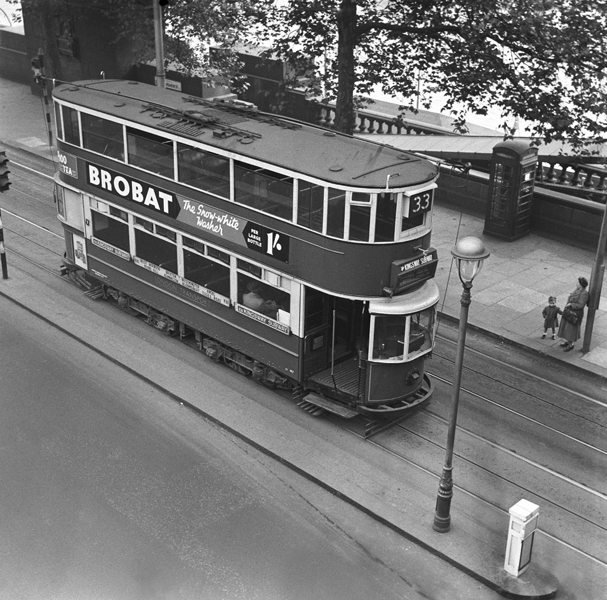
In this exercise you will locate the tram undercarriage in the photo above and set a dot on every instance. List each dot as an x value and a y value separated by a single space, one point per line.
339 389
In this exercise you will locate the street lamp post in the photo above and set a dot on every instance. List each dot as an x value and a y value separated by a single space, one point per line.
469 254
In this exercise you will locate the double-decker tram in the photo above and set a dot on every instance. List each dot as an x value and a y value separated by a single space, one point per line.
292 253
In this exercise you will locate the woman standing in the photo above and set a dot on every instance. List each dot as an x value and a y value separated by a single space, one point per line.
570 332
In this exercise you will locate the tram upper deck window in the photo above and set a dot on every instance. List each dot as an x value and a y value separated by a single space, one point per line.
264 190
154 249
150 152
102 136
71 129
113 231
385 220
336 212
58 121
310 205
360 215
203 170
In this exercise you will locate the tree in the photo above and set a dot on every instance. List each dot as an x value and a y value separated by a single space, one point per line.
543 61
191 26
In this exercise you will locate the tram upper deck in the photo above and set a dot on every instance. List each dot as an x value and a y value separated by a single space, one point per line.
352 215
242 131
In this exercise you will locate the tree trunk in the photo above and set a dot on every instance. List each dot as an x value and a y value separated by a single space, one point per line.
346 27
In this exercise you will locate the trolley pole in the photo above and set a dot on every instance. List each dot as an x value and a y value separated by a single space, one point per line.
2 251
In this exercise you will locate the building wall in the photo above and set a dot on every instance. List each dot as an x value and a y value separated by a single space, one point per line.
14 63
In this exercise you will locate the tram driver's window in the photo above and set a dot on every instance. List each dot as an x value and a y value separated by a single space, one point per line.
102 136
113 231
150 152
310 205
420 331
264 190
389 337
70 126
203 170
154 249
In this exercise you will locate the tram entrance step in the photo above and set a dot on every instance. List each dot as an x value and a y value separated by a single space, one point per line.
328 405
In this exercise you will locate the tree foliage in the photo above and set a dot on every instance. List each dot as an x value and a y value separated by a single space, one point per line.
544 61
191 28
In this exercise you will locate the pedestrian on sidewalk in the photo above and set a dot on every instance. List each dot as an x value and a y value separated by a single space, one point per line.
550 314
571 331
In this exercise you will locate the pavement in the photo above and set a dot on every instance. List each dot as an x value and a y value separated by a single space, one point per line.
507 300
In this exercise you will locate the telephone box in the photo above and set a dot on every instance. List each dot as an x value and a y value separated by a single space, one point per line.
513 167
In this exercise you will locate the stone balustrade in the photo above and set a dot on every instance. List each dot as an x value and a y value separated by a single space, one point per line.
369 121
582 180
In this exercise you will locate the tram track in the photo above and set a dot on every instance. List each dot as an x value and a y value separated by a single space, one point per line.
477 497
403 430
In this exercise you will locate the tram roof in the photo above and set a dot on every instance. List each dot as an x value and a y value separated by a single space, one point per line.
238 127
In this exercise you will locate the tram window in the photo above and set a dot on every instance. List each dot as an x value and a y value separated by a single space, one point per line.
386 217
218 254
167 233
150 152
111 231
310 205
102 136
264 299
251 268
360 216
120 214
190 243
58 121
203 170
206 272
70 126
389 337
410 223
420 332
144 223
60 199
156 250
264 190
336 213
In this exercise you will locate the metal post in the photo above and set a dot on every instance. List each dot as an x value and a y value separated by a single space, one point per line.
596 283
442 518
159 38
2 252
44 86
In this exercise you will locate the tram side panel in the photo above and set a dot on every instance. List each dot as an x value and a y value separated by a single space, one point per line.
344 267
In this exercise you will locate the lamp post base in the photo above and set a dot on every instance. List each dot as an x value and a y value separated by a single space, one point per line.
442 517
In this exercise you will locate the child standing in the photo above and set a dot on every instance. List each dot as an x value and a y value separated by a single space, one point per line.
550 313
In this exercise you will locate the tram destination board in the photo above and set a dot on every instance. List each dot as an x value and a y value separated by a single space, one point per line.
409 272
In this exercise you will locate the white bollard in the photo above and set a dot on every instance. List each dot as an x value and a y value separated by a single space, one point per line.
523 522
